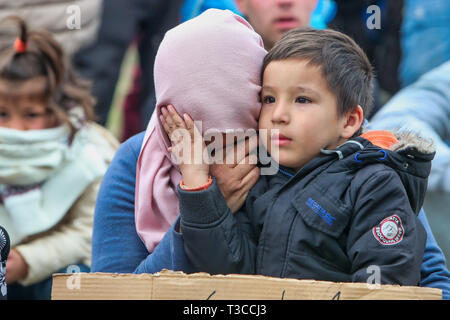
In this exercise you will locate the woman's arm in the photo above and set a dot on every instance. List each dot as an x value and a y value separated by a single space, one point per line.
160 259
116 246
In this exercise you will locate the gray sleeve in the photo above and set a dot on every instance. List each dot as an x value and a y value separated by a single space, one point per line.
216 240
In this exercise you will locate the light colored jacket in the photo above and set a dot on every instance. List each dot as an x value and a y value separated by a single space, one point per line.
424 107
69 242
74 23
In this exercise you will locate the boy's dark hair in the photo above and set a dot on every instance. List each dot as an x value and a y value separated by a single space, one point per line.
44 61
344 64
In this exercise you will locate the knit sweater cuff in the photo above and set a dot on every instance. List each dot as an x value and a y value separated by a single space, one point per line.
202 207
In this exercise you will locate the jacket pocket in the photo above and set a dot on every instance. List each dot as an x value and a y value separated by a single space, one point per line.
321 211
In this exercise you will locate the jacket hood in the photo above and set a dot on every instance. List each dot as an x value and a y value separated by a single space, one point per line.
410 157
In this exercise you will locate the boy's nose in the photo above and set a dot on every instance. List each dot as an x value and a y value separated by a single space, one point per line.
281 113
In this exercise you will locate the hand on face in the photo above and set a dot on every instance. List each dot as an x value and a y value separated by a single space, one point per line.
235 178
187 147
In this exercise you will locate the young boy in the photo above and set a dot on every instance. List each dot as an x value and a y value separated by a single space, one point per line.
342 207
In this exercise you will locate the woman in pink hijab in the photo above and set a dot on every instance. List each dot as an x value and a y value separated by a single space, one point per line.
208 67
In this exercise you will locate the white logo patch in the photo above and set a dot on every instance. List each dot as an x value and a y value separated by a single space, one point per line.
389 231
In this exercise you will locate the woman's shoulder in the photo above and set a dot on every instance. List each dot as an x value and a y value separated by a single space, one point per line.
135 142
130 149
125 159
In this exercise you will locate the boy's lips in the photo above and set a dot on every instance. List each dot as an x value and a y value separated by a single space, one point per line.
280 139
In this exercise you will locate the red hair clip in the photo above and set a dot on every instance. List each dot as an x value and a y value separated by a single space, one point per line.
20 46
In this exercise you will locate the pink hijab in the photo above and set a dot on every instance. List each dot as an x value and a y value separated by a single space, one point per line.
208 67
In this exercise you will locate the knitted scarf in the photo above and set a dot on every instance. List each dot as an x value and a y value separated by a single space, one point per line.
42 173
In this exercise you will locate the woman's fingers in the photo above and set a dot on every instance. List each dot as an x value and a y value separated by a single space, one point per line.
235 154
172 123
192 128
175 118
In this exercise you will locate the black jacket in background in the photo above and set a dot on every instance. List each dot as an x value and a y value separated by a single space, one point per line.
339 216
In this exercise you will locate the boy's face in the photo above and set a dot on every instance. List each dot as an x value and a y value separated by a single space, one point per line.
272 18
296 100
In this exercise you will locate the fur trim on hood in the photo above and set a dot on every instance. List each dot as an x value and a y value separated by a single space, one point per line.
410 139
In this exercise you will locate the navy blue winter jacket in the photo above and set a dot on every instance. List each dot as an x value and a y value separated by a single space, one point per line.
116 246
336 219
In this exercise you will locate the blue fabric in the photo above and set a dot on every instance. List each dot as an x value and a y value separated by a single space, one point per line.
424 107
116 246
160 259
434 272
192 8
425 37
324 12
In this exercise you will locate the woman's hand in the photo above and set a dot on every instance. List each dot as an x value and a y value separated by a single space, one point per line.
16 267
235 180
187 147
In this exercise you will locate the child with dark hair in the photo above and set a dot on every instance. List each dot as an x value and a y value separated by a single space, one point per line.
52 160
341 205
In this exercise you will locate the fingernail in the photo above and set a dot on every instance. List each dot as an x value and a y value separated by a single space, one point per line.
163 111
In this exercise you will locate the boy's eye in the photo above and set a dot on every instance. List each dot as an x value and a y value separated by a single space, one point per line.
268 99
302 100
3 114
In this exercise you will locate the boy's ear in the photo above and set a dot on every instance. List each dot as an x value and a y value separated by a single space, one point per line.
352 122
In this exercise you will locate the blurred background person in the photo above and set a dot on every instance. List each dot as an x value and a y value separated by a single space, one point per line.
135 27
375 26
53 158
74 23
425 38
271 19
138 23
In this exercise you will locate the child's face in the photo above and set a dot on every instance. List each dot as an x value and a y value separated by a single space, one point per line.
25 115
296 100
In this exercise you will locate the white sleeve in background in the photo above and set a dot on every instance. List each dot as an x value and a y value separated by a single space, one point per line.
424 107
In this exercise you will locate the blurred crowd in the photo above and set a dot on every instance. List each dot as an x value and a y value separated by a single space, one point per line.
113 44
